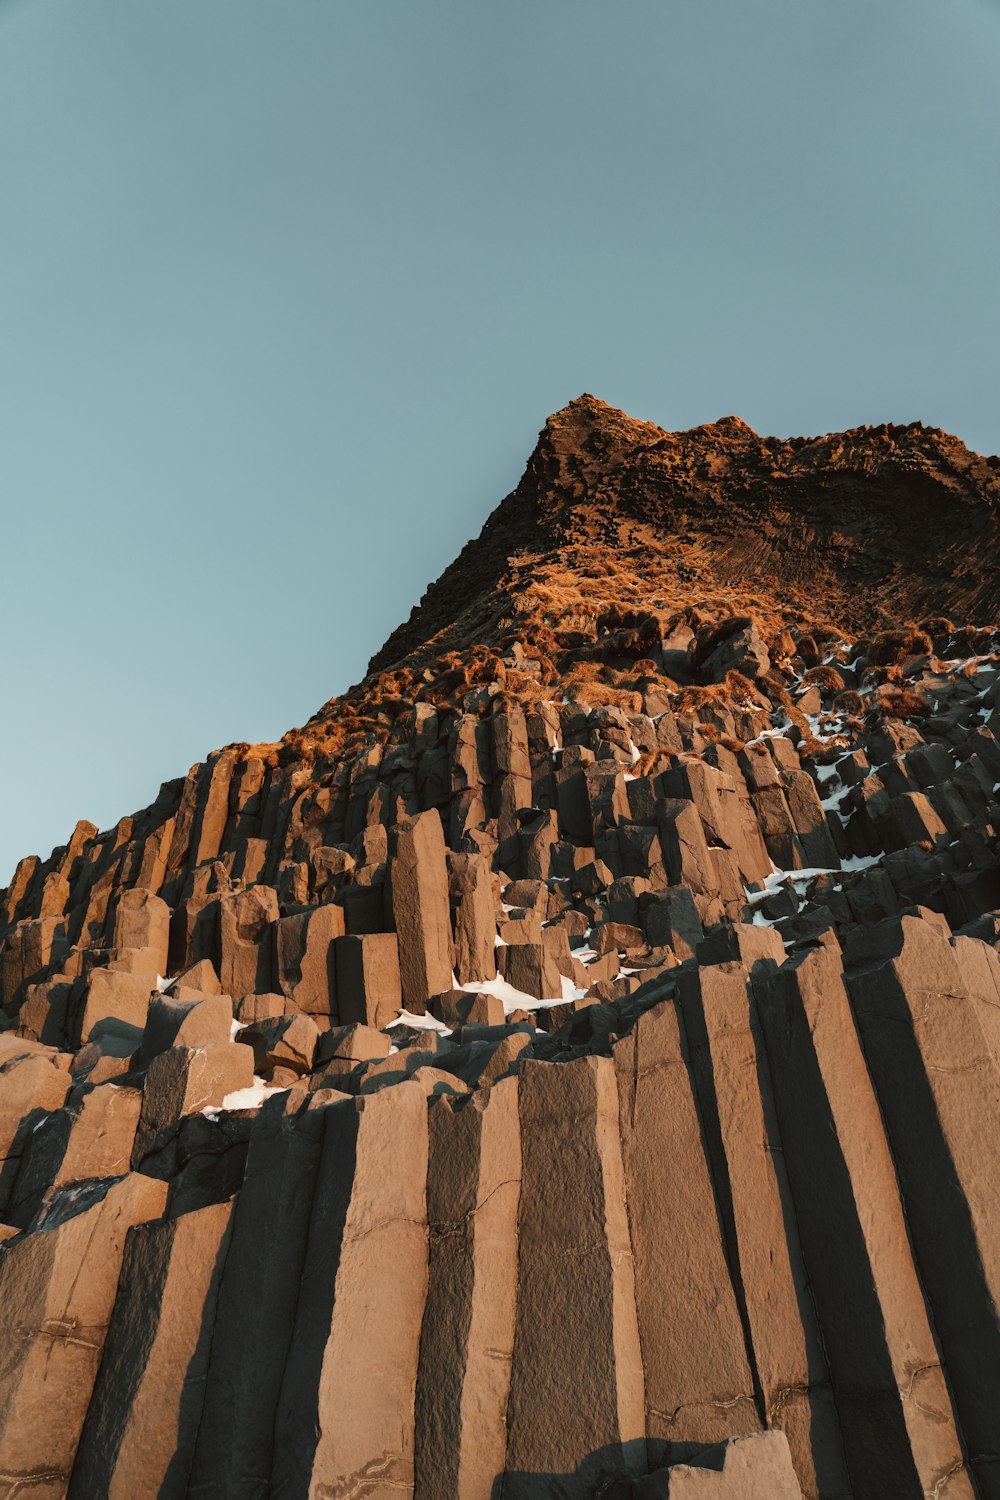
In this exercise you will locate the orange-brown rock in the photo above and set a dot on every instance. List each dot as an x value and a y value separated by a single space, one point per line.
748 1468
54 1320
752 1189
184 1080
305 958
895 1408
345 1416
467 1337
939 1088
682 739
698 1382
576 1390
420 909
143 1418
270 1227
90 1137
369 987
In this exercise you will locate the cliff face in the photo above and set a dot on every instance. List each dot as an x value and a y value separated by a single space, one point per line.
861 527
573 1055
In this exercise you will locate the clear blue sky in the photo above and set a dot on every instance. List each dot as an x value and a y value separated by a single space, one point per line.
287 288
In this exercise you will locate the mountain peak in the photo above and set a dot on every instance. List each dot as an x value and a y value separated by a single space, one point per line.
852 527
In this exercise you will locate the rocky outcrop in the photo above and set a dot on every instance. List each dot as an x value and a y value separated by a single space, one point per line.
878 523
565 1067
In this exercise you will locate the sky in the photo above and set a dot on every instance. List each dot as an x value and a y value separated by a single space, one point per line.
288 287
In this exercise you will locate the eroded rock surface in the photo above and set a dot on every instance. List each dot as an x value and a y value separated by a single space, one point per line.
570 1064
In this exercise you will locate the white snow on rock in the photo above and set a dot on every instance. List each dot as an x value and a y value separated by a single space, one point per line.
778 877
426 1022
512 999
777 733
248 1098
832 804
849 865
860 862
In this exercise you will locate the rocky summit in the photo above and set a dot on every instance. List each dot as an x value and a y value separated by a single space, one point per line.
568 1065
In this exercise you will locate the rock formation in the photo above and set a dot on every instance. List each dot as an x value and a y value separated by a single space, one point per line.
570 1063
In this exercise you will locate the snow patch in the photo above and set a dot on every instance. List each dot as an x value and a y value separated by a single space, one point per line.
426 1022
849 865
512 999
249 1098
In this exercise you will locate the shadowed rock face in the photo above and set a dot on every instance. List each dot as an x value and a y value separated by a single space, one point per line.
675 1176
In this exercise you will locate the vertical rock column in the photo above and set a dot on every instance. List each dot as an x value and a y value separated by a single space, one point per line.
513 768
420 909
235 1447
896 1415
473 1187
345 1417
467 749
474 918
247 921
213 807
140 1431
734 1088
699 1385
939 1089
57 1290
306 958
575 1406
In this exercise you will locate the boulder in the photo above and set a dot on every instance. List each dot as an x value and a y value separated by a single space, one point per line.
742 652
282 1042
459 1008
355 1042
180 1023
114 1002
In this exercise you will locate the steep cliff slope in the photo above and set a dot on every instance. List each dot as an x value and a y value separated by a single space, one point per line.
859 527
569 1064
